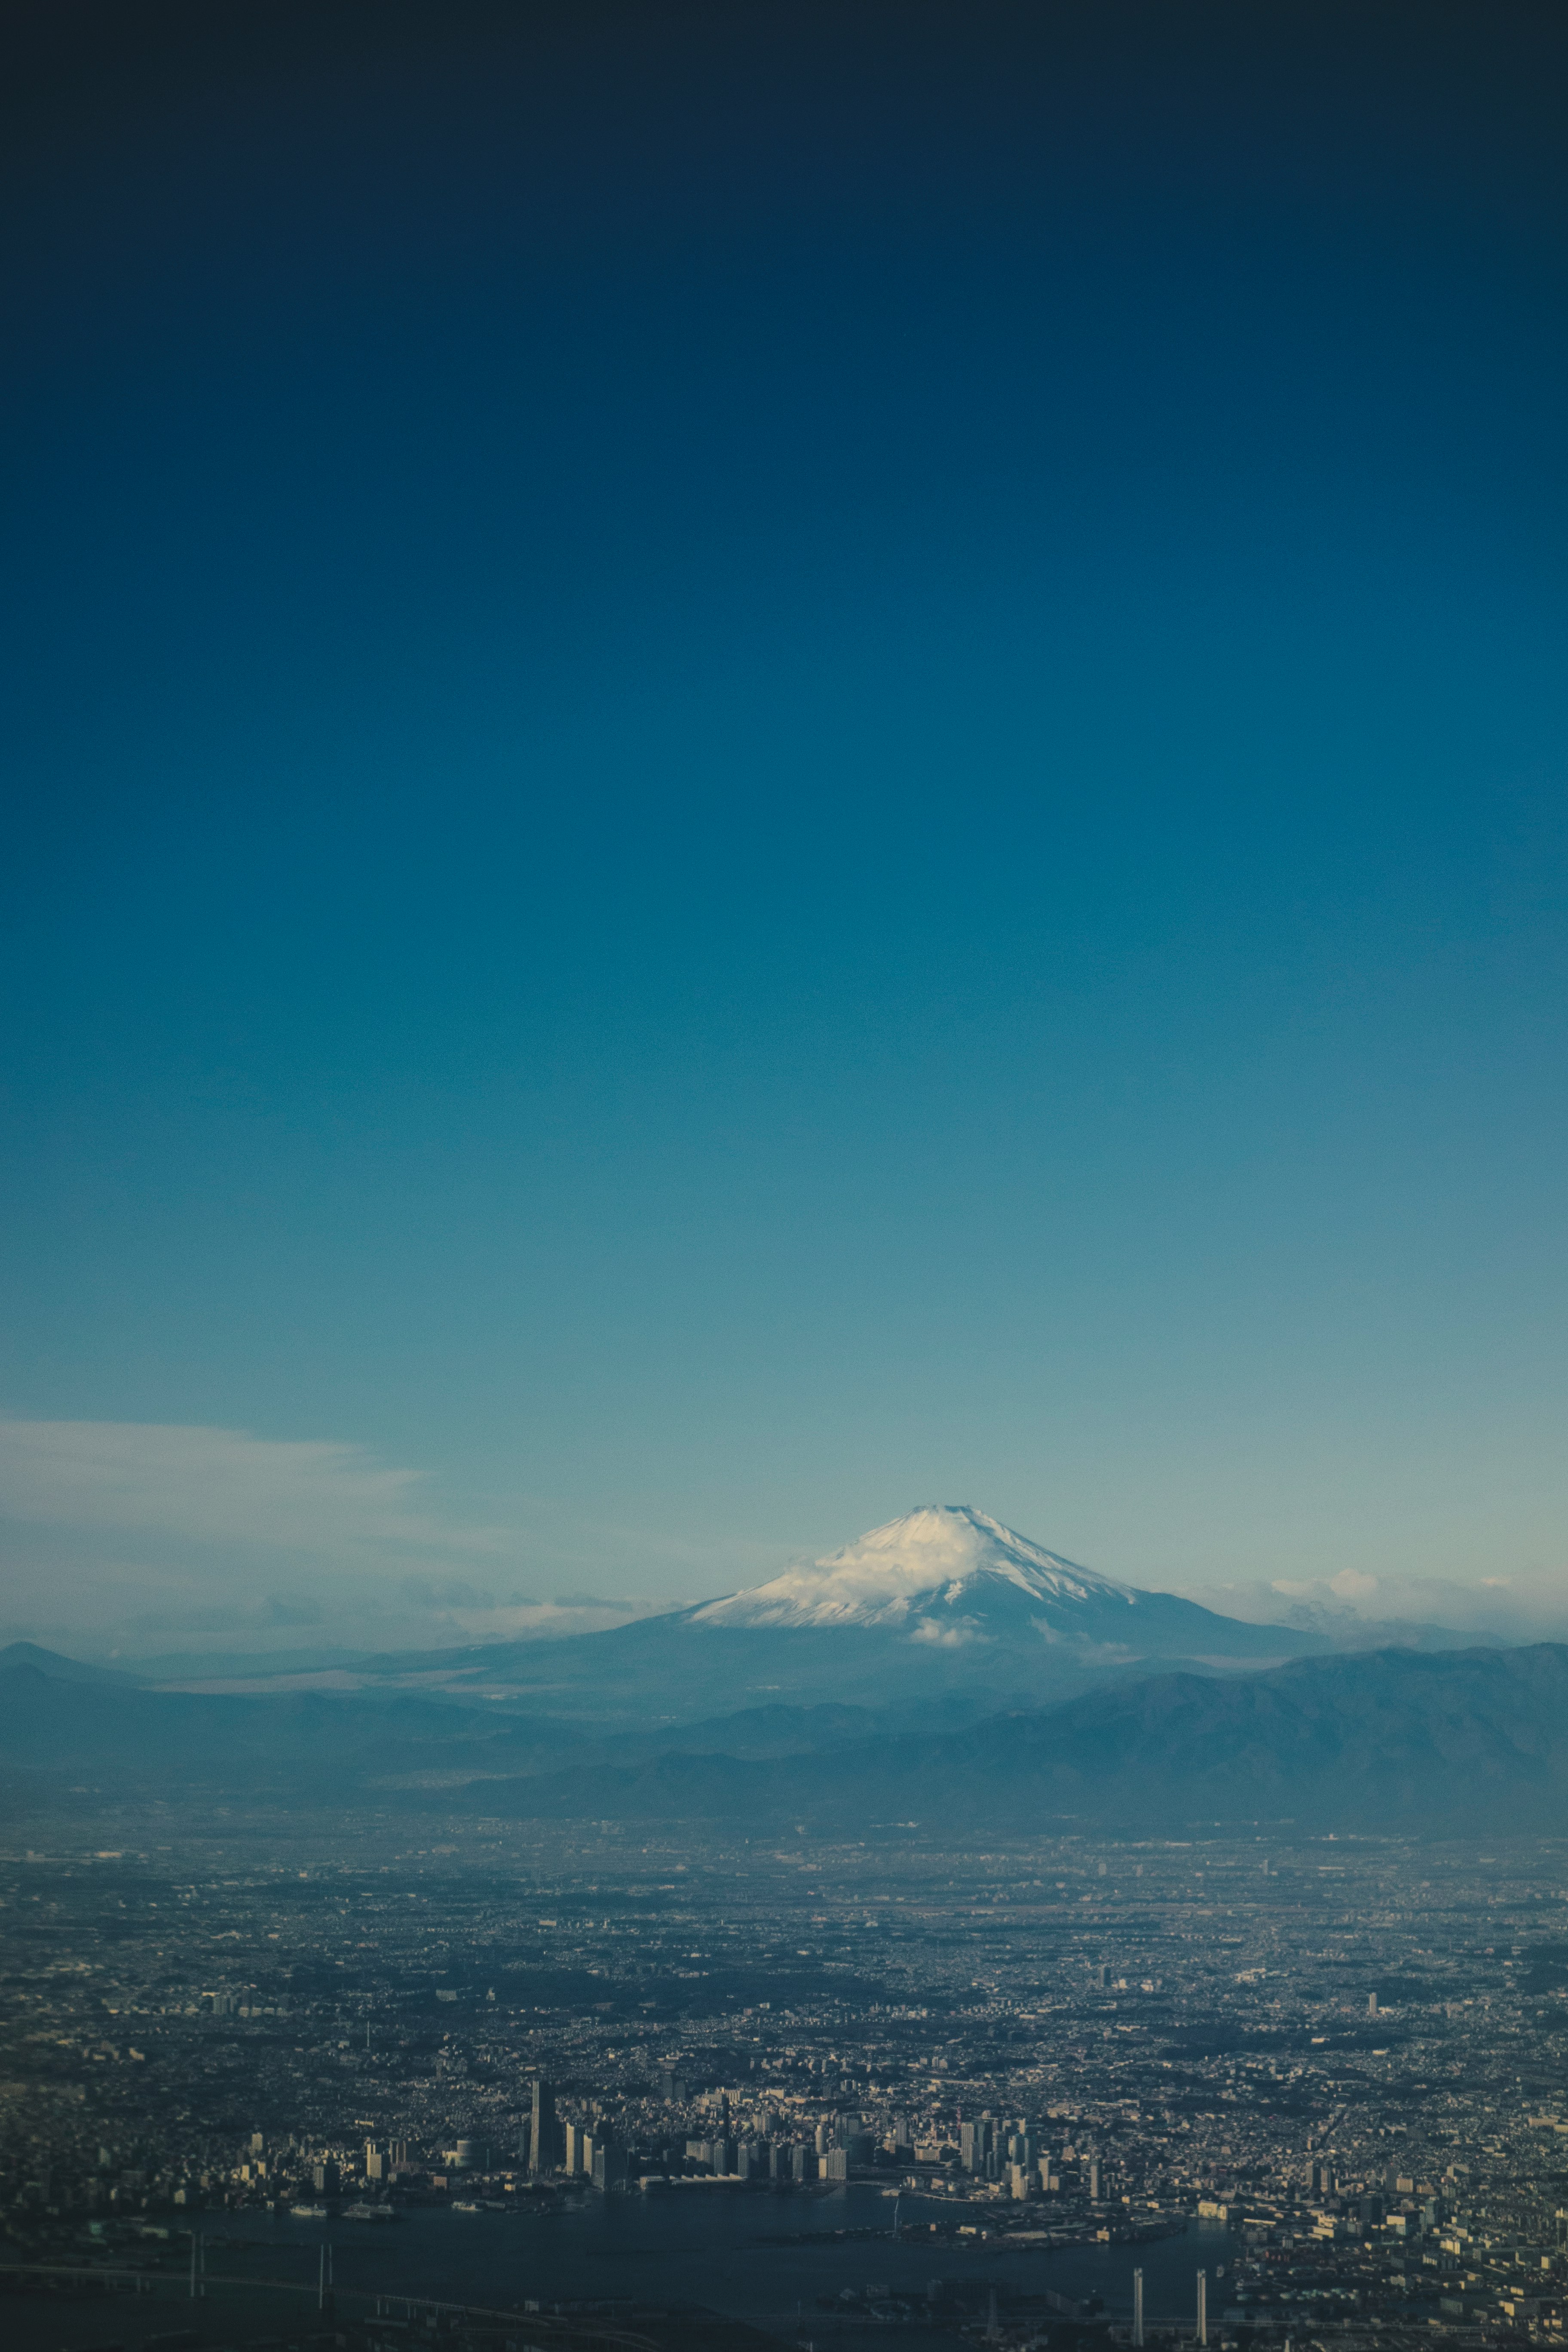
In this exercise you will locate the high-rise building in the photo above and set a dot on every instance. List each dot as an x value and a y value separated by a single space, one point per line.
1094 2180
1137 2309
541 2156
1202 2306
574 2138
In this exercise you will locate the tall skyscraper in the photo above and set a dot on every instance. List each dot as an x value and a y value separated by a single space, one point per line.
1202 2306
542 2129
1137 2309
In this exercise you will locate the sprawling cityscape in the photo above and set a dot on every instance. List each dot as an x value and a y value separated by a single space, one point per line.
1231 2091
784 939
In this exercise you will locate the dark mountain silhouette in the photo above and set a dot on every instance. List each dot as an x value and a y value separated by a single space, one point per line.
1386 1739
1473 1738
58 1668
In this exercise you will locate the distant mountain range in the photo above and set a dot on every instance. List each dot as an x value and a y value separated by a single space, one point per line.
943 1601
14 1656
940 1669
1392 1739
1387 1740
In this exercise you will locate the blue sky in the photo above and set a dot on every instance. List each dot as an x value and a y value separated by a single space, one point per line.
769 764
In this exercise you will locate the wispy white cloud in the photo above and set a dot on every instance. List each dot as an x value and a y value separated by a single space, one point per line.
1521 1608
219 1486
130 1535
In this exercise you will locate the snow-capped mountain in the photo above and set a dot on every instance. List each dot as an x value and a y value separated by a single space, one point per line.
942 1561
950 1576
945 1606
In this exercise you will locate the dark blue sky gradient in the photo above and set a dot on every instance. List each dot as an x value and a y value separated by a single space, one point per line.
770 760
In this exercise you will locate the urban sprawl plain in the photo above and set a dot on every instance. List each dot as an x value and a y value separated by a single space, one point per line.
1277 2089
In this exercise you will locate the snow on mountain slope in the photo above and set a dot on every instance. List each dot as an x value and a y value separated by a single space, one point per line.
944 1573
945 1601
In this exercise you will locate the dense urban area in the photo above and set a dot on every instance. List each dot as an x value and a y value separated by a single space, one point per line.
1311 2089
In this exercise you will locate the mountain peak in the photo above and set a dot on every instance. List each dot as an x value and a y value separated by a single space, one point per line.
931 1558
17 1657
